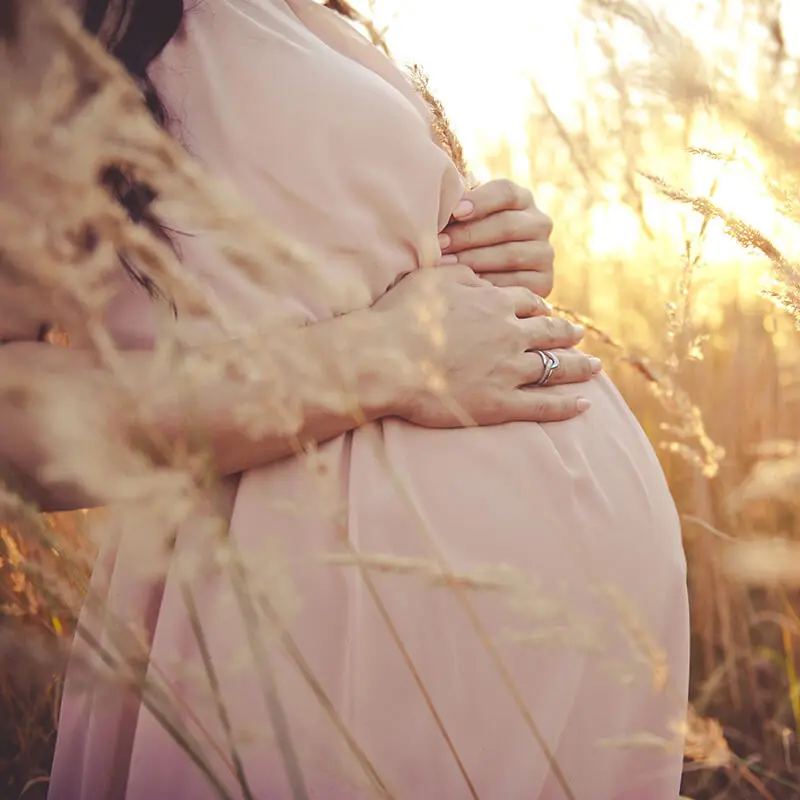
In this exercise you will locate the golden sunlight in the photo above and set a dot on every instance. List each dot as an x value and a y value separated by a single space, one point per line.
484 66
256 507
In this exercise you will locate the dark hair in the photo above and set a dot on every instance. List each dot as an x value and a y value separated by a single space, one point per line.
135 32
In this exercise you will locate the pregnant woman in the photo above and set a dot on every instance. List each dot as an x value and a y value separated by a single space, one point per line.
552 661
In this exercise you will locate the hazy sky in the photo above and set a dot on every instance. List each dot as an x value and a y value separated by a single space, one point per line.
480 61
481 56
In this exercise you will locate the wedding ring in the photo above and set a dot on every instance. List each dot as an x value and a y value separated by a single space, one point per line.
550 363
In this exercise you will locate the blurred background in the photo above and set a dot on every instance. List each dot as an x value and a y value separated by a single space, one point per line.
605 109
662 137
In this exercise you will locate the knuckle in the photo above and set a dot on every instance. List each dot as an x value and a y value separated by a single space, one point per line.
464 238
501 280
520 338
544 225
554 409
539 407
526 197
450 274
545 284
508 191
500 297
565 331
517 278
530 281
563 408
521 227
517 257
583 369
552 326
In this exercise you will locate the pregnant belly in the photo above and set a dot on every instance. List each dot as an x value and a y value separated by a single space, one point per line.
528 576
589 490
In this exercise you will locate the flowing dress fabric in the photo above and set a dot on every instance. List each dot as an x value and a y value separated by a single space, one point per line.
565 619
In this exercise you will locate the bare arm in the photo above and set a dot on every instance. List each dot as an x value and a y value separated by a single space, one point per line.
473 340
310 360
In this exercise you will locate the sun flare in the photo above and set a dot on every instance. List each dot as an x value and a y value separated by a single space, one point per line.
483 67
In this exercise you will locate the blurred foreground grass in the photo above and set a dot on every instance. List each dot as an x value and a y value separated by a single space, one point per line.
709 366
744 637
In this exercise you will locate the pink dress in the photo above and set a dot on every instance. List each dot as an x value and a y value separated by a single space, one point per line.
571 621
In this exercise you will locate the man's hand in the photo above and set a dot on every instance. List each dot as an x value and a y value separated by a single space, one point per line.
498 231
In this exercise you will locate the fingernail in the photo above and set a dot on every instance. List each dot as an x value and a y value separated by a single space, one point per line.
583 405
579 329
463 209
444 241
596 363
449 259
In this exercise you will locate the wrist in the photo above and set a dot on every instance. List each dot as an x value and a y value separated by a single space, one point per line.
384 372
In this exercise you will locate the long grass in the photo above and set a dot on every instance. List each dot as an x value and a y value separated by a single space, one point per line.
705 349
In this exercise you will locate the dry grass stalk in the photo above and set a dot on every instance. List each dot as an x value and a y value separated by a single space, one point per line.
442 127
87 117
440 123
64 147
502 670
376 36
752 494
679 71
705 742
687 433
784 289
86 97
488 577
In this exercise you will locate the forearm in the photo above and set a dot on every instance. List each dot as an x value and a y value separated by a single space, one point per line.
313 383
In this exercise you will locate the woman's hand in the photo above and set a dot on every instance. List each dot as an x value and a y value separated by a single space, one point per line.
498 232
475 344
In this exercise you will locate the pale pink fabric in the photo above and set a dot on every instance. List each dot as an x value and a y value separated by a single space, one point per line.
325 137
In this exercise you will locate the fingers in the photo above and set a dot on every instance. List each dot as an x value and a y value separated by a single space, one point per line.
540 283
498 228
527 254
549 333
532 406
455 272
461 274
526 303
574 367
491 197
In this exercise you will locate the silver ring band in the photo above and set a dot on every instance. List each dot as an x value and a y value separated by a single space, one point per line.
550 363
